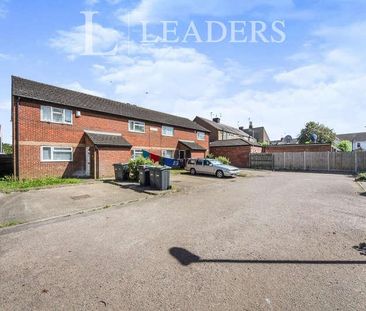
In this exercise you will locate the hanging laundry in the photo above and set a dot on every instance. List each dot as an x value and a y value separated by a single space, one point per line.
145 154
155 158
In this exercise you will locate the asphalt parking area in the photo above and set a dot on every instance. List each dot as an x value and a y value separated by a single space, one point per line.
280 242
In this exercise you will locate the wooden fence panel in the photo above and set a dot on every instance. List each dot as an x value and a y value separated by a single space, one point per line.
261 161
348 162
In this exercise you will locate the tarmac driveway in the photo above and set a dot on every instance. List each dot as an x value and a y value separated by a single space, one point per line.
280 242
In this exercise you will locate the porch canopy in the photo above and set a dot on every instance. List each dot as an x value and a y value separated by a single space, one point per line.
108 140
192 145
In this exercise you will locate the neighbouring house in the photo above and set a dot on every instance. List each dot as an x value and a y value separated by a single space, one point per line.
236 150
287 140
299 148
259 133
59 132
220 131
358 140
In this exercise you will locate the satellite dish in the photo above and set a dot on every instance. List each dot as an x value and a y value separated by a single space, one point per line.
288 139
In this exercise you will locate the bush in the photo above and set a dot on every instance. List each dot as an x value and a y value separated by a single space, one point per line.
210 156
361 177
133 166
223 160
345 146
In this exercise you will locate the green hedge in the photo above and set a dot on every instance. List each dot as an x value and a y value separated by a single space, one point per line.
133 166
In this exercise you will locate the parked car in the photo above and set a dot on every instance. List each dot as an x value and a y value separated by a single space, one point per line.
210 167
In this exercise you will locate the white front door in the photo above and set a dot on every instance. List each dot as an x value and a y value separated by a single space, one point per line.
87 161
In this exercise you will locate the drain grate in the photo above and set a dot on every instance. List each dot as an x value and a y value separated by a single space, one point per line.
80 197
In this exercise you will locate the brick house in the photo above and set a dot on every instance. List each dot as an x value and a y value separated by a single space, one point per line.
358 140
220 131
59 132
259 133
236 150
230 142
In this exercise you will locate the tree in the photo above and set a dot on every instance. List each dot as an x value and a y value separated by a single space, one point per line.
325 134
345 146
7 148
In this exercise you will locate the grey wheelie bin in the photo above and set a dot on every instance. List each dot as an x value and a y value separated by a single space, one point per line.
152 173
144 175
121 171
162 178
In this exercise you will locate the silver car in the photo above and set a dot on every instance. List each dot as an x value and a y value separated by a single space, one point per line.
210 167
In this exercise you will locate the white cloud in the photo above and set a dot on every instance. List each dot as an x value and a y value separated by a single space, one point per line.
91 2
3 9
157 10
76 86
73 42
329 88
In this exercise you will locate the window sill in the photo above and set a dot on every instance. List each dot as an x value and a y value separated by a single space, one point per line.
56 161
52 122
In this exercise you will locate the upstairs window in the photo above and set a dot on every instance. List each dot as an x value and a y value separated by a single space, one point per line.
167 131
201 135
136 126
56 115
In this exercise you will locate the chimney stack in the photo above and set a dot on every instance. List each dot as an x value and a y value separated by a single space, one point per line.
251 125
217 120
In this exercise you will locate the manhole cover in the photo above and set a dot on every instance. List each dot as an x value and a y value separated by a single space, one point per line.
80 197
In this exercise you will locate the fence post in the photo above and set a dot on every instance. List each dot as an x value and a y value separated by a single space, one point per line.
328 161
284 160
356 166
304 160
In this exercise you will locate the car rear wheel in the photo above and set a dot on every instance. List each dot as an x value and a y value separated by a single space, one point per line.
219 174
193 171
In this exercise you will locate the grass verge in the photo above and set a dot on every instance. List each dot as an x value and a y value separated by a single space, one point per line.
10 223
9 184
361 177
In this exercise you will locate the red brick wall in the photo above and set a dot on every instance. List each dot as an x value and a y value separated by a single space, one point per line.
30 164
238 155
34 134
109 156
299 148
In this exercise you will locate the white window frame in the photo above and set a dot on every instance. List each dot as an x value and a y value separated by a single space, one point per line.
164 151
52 154
164 131
198 135
136 151
132 127
52 119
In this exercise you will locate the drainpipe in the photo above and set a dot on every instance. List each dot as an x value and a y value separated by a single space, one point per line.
16 147
96 155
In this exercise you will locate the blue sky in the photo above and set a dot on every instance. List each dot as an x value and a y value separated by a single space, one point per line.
318 73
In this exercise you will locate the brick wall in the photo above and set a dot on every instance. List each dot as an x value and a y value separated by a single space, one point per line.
33 134
238 155
30 164
109 156
299 148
